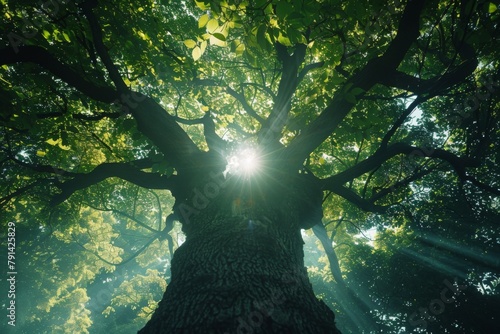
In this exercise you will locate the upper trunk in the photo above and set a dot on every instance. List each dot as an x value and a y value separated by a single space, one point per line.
241 268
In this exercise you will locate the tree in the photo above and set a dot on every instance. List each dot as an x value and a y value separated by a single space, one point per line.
247 122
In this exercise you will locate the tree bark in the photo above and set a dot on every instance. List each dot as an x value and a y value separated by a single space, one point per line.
241 268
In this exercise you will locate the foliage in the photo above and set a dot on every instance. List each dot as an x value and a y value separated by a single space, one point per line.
401 126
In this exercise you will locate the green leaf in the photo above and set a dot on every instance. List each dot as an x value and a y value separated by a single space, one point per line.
202 21
66 37
492 8
203 46
295 36
237 47
336 79
215 6
219 36
215 41
52 141
212 25
283 9
201 5
284 40
190 43
240 49
196 53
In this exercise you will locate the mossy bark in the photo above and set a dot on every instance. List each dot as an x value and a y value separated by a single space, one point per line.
241 268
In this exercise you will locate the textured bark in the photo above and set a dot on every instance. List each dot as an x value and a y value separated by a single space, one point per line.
241 268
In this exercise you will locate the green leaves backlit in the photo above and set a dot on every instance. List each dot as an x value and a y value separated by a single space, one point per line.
214 33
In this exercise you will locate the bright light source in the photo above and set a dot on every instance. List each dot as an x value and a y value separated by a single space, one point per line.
243 162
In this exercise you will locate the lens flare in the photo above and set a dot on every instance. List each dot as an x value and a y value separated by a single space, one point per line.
244 162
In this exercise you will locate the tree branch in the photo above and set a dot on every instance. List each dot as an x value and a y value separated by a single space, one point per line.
434 85
133 256
188 121
214 142
262 88
45 168
400 121
448 79
130 172
342 103
322 235
163 130
40 56
382 155
126 215
241 99
152 119
352 197
4 200
308 68
272 127
400 184
101 49
343 291
334 183
482 185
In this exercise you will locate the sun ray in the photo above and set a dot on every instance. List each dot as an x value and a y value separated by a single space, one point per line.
244 162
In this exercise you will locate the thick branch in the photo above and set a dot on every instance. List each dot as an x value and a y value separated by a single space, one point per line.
400 121
308 68
450 78
40 56
214 142
482 185
163 130
342 103
434 85
320 232
188 121
352 197
125 171
101 49
343 291
153 121
382 155
289 81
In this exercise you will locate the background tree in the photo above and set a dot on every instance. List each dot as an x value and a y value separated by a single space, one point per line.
373 123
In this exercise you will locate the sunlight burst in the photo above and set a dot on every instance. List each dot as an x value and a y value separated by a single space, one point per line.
244 161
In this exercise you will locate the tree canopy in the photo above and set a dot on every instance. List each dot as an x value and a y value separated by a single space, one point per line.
391 107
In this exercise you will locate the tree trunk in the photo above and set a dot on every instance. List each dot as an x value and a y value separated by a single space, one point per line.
241 269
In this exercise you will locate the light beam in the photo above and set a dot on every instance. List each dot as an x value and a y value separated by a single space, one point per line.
244 162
